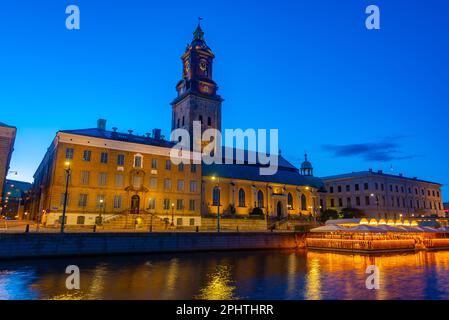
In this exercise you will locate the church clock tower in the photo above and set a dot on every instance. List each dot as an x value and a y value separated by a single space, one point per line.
197 98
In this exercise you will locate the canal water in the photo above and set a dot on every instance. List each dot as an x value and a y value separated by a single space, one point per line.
231 275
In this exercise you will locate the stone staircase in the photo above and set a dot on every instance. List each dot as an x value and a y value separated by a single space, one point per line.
135 222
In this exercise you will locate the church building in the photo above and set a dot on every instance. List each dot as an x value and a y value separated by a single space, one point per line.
114 177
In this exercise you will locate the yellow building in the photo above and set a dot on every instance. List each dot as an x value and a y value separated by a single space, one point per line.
7 137
114 173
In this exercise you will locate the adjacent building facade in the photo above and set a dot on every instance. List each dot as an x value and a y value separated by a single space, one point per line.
16 199
381 195
7 138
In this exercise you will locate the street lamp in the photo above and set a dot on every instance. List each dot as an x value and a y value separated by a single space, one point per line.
377 203
67 177
172 214
219 200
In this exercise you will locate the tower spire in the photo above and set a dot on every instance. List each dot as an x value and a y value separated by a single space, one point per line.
198 34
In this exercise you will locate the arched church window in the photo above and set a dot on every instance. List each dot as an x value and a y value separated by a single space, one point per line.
241 198
303 202
201 119
260 199
178 123
290 201
183 120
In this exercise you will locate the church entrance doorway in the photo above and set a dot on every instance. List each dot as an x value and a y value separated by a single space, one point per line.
279 209
135 204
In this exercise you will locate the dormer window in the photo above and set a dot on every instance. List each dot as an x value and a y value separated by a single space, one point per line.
138 161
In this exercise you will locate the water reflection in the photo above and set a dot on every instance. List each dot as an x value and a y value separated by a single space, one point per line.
232 275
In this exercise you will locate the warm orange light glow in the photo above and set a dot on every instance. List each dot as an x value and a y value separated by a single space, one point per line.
406 223
398 223
373 222
414 223
390 222
363 221
382 222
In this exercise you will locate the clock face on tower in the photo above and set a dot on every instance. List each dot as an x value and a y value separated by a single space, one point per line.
203 66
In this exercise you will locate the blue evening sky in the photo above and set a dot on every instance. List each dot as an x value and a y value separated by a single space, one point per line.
354 99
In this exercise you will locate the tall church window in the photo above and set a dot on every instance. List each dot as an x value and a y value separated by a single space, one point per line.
209 121
201 119
241 198
183 120
289 201
260 199
178 122
216 196
303 202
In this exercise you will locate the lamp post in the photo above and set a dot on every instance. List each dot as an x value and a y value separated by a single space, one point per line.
377 203
219 200
67 177
172 214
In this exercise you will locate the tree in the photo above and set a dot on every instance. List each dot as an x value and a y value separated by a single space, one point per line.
328 214
349 213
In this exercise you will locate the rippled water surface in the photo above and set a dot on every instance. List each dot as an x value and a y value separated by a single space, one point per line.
231 275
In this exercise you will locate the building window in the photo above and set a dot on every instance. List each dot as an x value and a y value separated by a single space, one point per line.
260 199
357 201
391 188
376 186
200 118
209 121
438 194
215 196
402 189
82 201
167 164
179 204
69 153
348 188
152 204
367 201
80 220
348 203
331 189
365 186
167 184
192 222
100 201
62 198
166 204
192 186
102 176
397 188
193 168
153 163
104 157
339 188
191 205
117 202
120 160
119 180
304 202
181 167
332 203
84 177
137 182
137 161
153 183
241 198
183 120
87 155
179 121
180 185
289 201
179 221
356 186
382 187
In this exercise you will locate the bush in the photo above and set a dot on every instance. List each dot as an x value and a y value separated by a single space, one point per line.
349 213
328 214
257 212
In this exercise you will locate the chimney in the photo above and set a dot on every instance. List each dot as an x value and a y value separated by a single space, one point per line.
157 134
148 135
114 129
370 170
401 175
380 171
101 124
130 132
